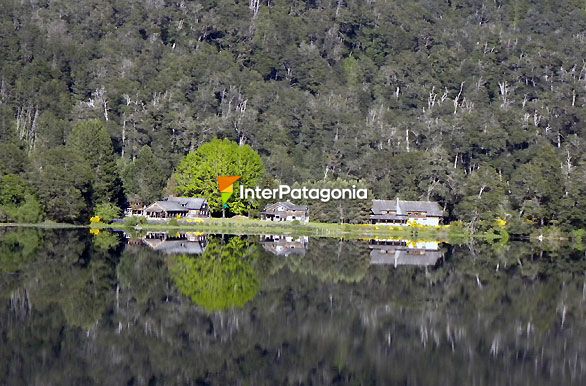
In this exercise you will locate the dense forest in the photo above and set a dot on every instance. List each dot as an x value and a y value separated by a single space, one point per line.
476 104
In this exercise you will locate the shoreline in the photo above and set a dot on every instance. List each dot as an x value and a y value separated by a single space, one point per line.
442 233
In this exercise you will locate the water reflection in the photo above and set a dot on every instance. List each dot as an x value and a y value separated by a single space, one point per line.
397 252
282 245
191 243
79 310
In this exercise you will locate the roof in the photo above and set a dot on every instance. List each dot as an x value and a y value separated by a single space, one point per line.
191 203
432 208
166 206
285 205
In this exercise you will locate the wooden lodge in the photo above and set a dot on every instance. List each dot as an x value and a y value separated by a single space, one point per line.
171 207
402 213
285 211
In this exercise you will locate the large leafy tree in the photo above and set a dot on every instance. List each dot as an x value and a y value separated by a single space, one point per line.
197 174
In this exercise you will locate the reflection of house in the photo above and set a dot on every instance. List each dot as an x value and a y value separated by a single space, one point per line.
174 207
175 243
399 212
404 252
285 211
285 245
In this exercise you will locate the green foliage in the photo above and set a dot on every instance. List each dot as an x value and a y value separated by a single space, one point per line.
484 197
197 173
12 159
321 90
18 248
18 202
91 140
355 211
133 221
107 212
105 240
222 277
144 177
64 185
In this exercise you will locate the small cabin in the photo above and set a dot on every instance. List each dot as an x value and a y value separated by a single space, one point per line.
402 213
285 211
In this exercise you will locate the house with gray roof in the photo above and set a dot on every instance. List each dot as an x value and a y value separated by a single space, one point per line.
285 211
173 207
196 207
165 210
402 213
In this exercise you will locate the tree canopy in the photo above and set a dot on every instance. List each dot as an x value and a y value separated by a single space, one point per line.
197 174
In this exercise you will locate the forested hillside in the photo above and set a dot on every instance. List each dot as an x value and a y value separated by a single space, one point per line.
476 104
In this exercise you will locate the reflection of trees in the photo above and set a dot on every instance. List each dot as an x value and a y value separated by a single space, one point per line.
64 273
17 248
333 261
521 324
105 240
222 277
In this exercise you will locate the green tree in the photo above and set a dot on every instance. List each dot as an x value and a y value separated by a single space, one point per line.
483 196
17 201
91 140
144 177
107 212
12 159
537 186
64 184
197 174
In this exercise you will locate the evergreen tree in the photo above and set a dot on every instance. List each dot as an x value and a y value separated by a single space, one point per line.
91 140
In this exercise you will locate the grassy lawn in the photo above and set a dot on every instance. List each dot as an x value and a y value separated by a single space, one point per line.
315 229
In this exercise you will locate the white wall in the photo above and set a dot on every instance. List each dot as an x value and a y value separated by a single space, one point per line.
432 221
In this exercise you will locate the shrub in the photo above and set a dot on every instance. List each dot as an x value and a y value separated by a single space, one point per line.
135 220
107 212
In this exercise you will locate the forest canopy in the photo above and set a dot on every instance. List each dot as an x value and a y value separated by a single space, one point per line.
478 105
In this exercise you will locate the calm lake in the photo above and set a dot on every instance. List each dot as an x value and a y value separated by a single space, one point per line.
174 308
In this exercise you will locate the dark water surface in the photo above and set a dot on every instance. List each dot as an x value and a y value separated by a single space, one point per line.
165 309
